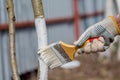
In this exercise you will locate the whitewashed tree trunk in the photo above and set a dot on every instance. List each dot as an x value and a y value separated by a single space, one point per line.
118 52
42 42
118 49
110 9
42 36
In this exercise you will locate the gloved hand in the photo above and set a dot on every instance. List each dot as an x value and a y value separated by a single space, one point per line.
108 28
97 45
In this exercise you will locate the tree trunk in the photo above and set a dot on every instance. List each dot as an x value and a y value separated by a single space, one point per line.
42 36
10 9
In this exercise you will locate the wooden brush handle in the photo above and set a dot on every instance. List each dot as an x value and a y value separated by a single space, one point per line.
89 41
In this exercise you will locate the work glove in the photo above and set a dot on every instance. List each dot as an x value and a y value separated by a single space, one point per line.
97 45
107 28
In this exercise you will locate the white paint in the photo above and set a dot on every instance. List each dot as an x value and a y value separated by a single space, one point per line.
118 52
118 2
110 10
118 48
43 70
71 65
42 42
41 32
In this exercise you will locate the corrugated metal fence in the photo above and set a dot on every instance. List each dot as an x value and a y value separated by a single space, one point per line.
26 39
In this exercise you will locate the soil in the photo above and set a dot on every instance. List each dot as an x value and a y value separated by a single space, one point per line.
91 68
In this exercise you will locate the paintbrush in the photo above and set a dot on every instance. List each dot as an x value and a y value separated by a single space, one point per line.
59 53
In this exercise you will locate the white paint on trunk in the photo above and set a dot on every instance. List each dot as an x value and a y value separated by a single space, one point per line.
118 2
118 49
118 52
42 42
43 70
110 9
41 32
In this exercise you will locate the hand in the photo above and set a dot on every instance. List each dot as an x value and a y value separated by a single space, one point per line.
97 45
108 28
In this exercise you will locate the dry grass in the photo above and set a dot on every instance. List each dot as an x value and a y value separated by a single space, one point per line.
90 69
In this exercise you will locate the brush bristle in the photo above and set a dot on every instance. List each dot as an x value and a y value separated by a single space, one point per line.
54 57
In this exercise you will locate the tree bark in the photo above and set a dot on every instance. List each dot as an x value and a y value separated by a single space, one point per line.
40 25
12 49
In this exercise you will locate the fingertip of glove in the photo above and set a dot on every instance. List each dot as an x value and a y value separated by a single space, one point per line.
80 51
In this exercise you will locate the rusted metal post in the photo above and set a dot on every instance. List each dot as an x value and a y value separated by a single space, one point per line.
76 19
40 25
12 49
53 21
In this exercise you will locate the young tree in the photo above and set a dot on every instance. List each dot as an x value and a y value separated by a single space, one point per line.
12 49
42 36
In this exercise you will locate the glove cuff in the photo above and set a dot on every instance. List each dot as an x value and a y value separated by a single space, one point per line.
111 25
115 23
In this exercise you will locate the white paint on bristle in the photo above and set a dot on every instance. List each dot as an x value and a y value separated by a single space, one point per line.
71 65
42 43
50 59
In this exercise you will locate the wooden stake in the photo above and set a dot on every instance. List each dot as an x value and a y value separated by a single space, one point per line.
40 25
10 9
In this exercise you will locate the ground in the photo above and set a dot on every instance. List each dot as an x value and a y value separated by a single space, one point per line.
91 69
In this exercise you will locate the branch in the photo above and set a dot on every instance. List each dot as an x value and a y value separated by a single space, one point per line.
10 9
